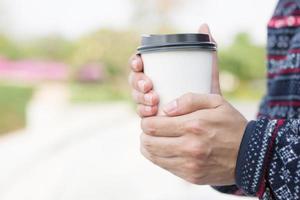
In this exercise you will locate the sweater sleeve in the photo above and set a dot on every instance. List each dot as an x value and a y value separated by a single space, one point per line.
268 164
234 189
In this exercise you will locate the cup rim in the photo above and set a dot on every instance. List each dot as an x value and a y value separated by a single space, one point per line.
168 42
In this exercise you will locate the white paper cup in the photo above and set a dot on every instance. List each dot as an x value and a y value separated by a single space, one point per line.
178 64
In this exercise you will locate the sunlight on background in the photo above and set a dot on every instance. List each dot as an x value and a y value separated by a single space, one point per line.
68 127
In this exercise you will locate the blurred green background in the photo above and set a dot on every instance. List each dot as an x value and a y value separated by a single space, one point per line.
97 63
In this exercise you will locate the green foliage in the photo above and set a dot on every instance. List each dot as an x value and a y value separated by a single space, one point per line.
112 48
247 91
49 48
243 59
246 62
8 48
13 101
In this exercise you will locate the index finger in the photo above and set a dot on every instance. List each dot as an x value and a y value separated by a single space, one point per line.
136 63
161 126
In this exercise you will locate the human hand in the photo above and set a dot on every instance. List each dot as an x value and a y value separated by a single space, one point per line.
198 140
142 88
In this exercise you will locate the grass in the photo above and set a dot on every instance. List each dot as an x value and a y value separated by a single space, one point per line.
13 102
91 93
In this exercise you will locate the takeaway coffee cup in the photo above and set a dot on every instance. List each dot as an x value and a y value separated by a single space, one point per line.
177 64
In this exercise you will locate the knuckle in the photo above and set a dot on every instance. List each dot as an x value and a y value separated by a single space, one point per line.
146 111
148 155
139 111
147 99
148 127
196 150
144 124
155 99
189 98
141 98
134 56
144 152
152 158
135 95
144 141
154 110
218 99
194 127
198 178
135 77
195 180
192 167
197 153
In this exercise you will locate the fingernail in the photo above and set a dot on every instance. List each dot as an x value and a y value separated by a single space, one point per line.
135 64
141 84
148 98
148 108
171 107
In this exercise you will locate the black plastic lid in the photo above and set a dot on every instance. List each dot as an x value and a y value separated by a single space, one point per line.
168 42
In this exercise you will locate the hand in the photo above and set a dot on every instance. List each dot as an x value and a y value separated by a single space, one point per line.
198 140
147 100
142 92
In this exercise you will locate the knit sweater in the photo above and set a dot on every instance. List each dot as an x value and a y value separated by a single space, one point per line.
268 164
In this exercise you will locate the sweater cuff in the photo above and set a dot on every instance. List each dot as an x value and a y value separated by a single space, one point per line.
252 153
229 189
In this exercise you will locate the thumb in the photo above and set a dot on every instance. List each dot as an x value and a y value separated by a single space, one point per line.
192 102
204 28
215 85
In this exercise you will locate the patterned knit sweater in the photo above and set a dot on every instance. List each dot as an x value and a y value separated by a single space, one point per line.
268 164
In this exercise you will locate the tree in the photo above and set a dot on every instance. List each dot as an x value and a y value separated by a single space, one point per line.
52 47
109 47
8 48
243 59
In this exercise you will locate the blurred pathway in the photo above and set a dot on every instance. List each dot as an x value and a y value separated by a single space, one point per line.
89 152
